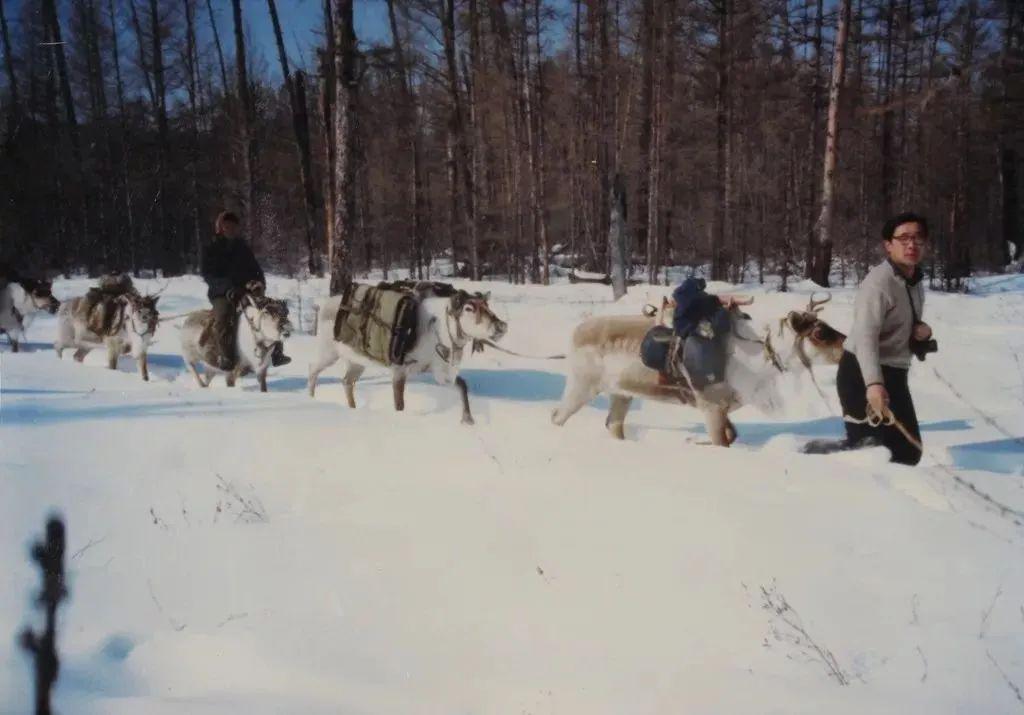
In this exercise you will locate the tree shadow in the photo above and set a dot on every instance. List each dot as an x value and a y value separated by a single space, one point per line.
757 434
1003 456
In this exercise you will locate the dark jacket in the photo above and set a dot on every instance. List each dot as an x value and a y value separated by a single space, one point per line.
692 306
229 263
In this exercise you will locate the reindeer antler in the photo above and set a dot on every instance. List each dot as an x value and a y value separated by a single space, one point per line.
814 306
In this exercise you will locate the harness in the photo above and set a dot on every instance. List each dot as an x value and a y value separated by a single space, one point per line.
451 355
262 346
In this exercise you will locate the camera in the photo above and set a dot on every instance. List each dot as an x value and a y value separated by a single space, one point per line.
921 348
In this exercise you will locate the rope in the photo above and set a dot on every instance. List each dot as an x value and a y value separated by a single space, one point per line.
489 344
174 317
886 418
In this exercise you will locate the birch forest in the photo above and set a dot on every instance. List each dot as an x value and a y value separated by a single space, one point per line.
519 140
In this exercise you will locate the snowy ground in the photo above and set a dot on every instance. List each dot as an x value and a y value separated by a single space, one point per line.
238 552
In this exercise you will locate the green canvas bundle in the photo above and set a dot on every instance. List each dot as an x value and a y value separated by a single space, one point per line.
378 321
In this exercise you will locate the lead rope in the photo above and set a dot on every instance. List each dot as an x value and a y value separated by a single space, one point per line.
885 419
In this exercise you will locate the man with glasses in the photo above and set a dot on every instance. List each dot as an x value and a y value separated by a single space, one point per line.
887 330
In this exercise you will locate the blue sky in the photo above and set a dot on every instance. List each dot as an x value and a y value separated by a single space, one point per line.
301 24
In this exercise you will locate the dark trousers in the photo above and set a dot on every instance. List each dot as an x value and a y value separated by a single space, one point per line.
224 327
850 383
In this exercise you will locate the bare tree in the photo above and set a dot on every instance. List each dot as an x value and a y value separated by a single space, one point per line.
12 82
346 104
300 125
247 121
823 253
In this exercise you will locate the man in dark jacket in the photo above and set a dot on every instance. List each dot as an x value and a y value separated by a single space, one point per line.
228 267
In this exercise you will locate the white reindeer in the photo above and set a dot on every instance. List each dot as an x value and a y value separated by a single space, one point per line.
445 326
131 328
605 358
21 300
260 323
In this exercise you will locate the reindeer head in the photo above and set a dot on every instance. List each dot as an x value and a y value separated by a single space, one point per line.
825 341
142 310
475 317
270 316
40 294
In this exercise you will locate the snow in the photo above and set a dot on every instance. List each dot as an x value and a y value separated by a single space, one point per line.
238 552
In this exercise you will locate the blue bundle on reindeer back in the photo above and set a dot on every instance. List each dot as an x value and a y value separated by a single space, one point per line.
694 305
702 324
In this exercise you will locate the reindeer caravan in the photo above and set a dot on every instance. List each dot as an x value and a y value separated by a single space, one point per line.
112 315
20 300
712 358
406 326
261 326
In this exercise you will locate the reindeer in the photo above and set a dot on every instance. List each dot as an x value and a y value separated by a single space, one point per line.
605 358
131 329
261 322
446 324
22 299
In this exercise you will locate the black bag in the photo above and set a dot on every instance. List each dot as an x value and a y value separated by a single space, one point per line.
655 348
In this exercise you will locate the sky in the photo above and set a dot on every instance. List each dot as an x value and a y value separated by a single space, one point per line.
301 25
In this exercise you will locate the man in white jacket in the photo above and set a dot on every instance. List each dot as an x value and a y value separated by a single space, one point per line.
886 324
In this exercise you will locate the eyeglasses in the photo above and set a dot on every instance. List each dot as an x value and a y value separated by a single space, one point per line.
911 238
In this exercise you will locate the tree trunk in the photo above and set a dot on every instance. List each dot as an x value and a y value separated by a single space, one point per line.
458 150
617 244
1008 186
411 134
328 88
250 156
164 231
533 91
220 50
346 98
300 125
12 81
131 244
723 144
815 124
192 84
823 253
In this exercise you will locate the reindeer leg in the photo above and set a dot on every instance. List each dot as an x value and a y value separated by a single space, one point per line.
616 420
14 344
730 432
717 425
398 386
230 377
81 353
351 375
113 350
262 378
144 366
323 362
467 417
577 394
199 378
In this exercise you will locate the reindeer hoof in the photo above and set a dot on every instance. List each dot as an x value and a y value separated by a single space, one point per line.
617 430
468 420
